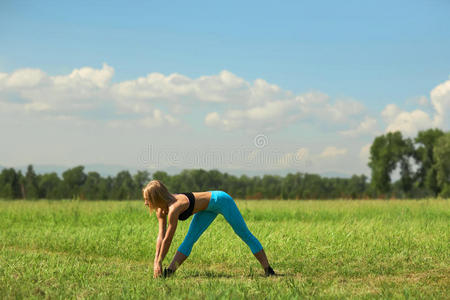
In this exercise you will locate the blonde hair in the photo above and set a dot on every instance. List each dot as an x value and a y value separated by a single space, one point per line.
157 195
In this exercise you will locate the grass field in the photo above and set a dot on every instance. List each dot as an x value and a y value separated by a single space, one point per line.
321 249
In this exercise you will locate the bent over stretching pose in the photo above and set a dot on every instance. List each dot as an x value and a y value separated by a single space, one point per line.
204 206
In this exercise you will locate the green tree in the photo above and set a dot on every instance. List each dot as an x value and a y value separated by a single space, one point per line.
271 186
312 186
381 163
404 155
91 186
386 153
288 186
123 186
215 179
11 184
105 188
31 184
357 186
424 155
163 176
73 180
442 164
50 186
140 179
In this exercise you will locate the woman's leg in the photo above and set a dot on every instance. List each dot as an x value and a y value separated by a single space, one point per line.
199 223
262 258
177 260
233 216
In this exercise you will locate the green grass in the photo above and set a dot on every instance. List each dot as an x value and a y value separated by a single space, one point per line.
321 249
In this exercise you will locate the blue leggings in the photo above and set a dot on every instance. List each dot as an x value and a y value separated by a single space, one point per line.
220 203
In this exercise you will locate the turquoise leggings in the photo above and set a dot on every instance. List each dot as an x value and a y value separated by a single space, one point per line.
220 203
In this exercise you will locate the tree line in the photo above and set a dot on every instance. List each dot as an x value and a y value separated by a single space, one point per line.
76 184
423 164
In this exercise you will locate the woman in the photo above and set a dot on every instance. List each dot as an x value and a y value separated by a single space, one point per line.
204 206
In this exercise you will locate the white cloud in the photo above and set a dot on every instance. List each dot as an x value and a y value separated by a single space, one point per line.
273 159
82 89
268 116
158 119
85 76
367 126
410 123
37 106
270 110
318 105
261 91
291 159
224 87
182 92
87 97
440 99
343 109
154 120
277 113
390 112
25 78
332 151
213 119
3 76
239 104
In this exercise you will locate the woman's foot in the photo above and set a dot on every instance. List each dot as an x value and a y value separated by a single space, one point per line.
269 271
169 272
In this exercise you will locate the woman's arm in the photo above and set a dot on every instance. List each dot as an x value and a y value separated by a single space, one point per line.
162 220
165 244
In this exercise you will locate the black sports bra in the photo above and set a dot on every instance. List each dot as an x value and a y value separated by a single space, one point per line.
188 212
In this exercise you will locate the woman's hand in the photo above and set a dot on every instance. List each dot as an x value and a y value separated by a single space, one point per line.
157 269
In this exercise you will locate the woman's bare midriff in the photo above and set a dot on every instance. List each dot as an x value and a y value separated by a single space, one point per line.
201 201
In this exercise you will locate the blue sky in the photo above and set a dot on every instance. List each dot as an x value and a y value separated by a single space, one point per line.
369 55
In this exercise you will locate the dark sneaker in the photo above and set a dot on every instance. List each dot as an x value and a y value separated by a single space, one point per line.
167 272
269 271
